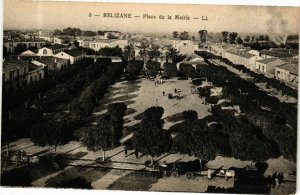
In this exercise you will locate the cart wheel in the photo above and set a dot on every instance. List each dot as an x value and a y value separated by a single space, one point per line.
175 175
189 175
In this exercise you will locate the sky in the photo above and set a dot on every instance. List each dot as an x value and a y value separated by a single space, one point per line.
59 15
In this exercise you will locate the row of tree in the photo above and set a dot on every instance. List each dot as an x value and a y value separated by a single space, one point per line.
273 117
62 128
77 32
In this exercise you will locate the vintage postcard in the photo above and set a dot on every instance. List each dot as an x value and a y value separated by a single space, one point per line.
150 97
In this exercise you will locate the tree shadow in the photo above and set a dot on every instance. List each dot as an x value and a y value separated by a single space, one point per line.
128 102
130 111
135 181
174 118
89 175
139 116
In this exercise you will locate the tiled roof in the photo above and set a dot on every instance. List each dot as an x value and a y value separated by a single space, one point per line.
14 63
56 46
292 68
75 52
267 60
277 53
50 60
272 61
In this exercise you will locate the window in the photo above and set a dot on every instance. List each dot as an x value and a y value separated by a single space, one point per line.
45 51
25 70
18 72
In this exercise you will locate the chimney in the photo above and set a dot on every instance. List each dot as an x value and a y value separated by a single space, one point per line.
18 57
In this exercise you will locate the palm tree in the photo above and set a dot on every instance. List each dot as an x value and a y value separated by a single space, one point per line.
129 52
172 54
144 45
154 52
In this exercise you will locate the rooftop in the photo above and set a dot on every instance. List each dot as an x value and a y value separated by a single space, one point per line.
292 68
49 60
9 64
75 52
277 53
56 46
272 61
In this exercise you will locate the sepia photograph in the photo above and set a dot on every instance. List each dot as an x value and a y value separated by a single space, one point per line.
155 97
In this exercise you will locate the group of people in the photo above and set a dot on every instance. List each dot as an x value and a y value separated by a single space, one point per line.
276 179
22 157
176 91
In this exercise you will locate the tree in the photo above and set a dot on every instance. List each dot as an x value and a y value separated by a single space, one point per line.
170 69
202 35
152 68
238 40
51 133
175 34
247 39
144 45
117 112
98 137
8 134
267 38
89 33
225 36
154 52
150 138
189 115
184 36
57 32
129 52
134 67
172 54
108 51
232 37
111 36
20 48
198 141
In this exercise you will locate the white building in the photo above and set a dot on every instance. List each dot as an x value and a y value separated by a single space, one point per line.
51 50
71 55
267 65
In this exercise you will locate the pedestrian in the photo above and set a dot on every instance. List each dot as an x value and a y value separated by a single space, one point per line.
125 151
163 93
277 182
175 90
280 177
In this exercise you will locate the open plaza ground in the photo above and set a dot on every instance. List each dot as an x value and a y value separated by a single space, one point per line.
126 172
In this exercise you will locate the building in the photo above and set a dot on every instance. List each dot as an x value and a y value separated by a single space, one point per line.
51 50
36 72
267 65
98 44
242 57
63 40
11 45
14 69
180 43
29 53
72 55
276 53
17 72
192 60
287 72
53 63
